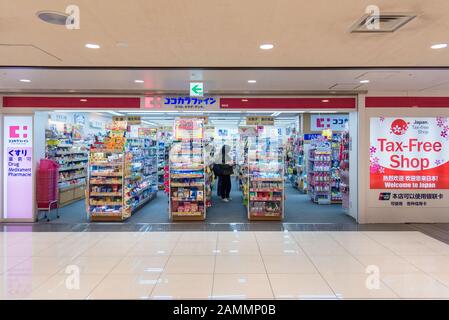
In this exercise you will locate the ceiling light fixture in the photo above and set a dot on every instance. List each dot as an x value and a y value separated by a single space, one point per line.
244 100
83 100
25 80
325 100
364 81
252 81
92 46
139 81
53 17
439 46
266 46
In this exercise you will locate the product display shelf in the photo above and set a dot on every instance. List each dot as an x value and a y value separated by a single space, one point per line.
265 180
336 196
344 170
243 171
163 150
72 157
301 172
105 191
187 181
141 173
319 173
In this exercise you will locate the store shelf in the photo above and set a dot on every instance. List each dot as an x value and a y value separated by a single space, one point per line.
71 168
265 180
188 198
106 182
139 182
105 194
72 178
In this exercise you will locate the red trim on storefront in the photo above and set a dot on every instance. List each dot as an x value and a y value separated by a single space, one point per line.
407 102
71 102
288 103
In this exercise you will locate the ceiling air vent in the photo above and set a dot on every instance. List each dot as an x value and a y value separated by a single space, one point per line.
384 22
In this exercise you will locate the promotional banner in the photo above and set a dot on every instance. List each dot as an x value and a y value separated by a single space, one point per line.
409 161
188 128
18 167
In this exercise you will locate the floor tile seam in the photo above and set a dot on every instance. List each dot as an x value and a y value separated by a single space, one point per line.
161 273
214 268
320 274
104 277
265 267
430 274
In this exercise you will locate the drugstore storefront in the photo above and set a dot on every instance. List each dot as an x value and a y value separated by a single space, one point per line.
396 172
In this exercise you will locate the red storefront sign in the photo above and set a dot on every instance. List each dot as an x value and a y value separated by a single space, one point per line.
72 102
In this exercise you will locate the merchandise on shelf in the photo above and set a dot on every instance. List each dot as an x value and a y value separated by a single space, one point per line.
188 172
72 156
319 171
344 170
122 176
265 179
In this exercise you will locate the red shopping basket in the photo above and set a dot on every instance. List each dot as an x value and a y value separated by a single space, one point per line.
47 185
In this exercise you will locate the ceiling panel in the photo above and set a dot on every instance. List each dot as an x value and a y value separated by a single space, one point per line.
220 82
173 33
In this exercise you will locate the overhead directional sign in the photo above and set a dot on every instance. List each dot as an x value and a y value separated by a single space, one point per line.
196 89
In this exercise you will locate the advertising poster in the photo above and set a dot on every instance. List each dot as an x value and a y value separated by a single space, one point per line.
18 167
409 161
188 129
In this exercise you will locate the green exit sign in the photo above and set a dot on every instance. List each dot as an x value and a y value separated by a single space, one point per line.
196 89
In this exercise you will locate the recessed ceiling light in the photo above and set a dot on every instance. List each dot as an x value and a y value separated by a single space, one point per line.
53 17
266 46
244 100
252 81
139 81
92 46
439 46
24 80
325 100
83 100
364 81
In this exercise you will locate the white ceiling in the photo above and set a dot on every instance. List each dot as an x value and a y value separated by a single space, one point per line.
180 33
222 82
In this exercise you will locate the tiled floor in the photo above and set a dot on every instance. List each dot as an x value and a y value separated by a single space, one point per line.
223 265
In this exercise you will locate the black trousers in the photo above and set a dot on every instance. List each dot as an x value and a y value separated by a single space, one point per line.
224 186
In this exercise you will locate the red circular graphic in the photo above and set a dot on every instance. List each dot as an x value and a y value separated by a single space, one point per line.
399 127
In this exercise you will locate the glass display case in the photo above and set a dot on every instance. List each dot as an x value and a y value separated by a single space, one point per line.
265 179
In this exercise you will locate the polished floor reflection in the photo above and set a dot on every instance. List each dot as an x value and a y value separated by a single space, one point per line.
223 265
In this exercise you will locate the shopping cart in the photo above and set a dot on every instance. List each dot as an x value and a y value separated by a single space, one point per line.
47 187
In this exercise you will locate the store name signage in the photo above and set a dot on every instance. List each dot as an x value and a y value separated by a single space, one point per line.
409 153
18 167
189 102
180 103
260 121
335 122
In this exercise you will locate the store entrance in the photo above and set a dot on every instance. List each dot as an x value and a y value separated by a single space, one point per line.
117 166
